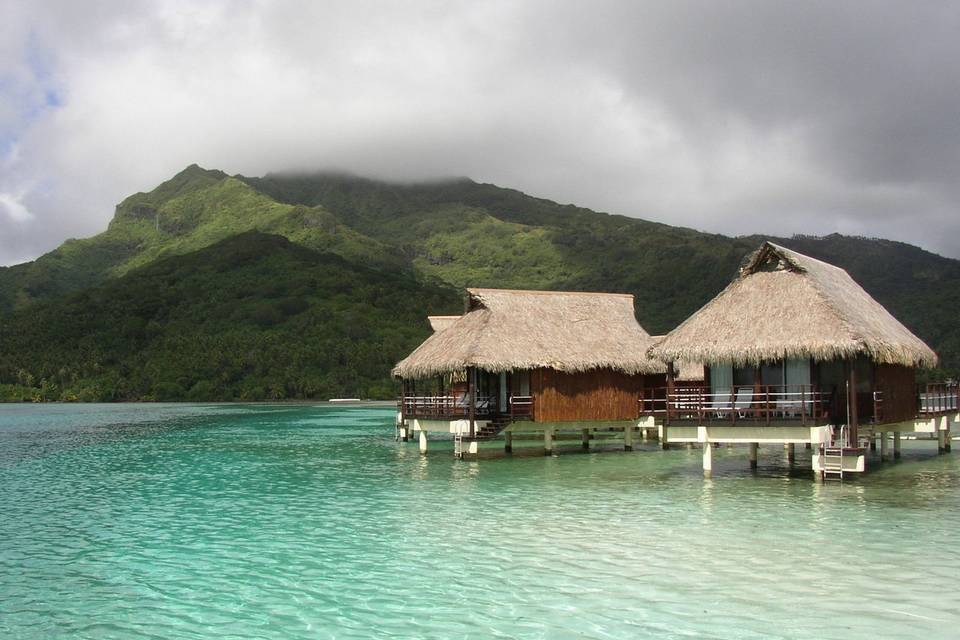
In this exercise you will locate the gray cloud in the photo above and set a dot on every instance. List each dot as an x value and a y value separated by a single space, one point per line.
733 117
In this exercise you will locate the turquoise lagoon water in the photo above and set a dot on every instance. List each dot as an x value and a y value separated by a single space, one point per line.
185 521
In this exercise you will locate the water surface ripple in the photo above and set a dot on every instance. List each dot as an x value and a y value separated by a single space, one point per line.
258 521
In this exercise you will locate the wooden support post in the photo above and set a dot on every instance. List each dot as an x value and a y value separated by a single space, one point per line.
896 445
755 408
669 399
628 438
791 452
873 442
884 448
548 442
664 437
413 393
852 404
753 455
472 409
508 442
941 438
423 441
707 460
585 439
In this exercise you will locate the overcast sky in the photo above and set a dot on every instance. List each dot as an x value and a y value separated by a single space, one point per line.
733 117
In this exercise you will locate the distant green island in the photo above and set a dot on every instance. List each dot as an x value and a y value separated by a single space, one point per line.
310 286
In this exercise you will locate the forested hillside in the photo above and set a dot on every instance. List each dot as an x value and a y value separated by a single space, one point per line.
252 317
292 302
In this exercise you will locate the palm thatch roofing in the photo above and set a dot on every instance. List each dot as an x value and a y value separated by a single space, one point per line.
788 305
439 323
691 372
687 371
506 330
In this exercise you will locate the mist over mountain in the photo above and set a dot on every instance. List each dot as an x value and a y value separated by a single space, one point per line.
105 317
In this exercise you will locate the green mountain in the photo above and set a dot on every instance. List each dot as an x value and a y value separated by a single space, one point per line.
434 237
251 317
465 233
192 210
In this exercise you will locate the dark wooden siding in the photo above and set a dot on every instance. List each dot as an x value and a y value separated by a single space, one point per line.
601 394
898 386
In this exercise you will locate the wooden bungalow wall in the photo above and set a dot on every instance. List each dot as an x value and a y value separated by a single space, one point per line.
898 386
601 394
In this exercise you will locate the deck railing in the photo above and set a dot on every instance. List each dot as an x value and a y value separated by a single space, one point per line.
877 417
765 403
446 407
938 398
521 407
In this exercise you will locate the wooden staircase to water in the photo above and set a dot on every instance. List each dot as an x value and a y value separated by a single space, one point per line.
488 431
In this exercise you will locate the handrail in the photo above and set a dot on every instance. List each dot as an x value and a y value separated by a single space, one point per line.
937 398
442 406
744 402
521 407
878 407
448 406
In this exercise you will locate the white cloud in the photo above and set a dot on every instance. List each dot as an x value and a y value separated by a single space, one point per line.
735 119
13 209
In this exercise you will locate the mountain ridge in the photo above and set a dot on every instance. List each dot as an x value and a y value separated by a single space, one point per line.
455 232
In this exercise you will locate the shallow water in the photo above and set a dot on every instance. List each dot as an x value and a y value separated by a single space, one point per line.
256 521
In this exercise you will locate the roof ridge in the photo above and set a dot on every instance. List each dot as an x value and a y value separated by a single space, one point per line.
780 247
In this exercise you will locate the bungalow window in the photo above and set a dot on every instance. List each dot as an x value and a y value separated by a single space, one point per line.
791 373
771 373
796 374
721 378
520 383
743 376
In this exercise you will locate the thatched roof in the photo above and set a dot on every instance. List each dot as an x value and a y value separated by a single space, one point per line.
787 305
507 330
691 372
439 323
687 371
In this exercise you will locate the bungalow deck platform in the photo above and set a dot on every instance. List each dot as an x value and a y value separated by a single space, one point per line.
836 449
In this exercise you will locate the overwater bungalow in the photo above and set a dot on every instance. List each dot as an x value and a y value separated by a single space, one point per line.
796 352
533 363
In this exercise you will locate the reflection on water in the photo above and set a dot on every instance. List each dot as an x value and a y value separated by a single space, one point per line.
293 521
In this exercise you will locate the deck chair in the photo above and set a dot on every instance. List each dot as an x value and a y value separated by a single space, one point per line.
483 405
787 403
721 402
743 402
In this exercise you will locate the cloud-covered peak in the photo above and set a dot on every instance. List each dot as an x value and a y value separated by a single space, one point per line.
729 117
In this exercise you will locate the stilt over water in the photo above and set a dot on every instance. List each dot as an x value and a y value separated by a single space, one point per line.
707 460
